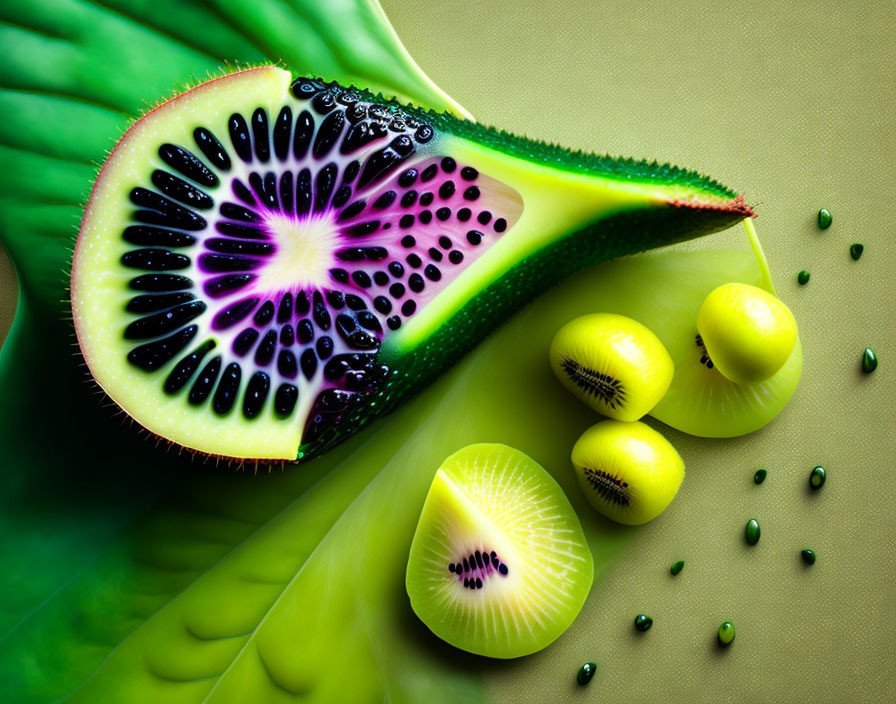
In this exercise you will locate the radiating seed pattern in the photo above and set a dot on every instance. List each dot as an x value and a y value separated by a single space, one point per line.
610 487
595 383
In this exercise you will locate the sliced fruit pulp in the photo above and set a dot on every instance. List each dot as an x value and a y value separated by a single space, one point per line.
300 225
499 565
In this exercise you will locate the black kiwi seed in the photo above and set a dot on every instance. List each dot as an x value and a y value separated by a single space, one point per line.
287 364
484 217
354 302
284 310
188 164
212 149
239 137
148 236
225 394
408 308
324 347
500 225
464 214
474 237
468 173
432 272
205 382
610 487
396 269
471 193
186 367
303 192
241 191
380 278
153 259
309 363
304 331
238 212
323 186
247 231
256 392
287 335
282 129
234 313
243 342
150 303
342 196
328 133
153 355
303 133
264 353
287 193
225 245
223 285
352 210
260 135
408 178
455 256
221 263
409 198
435 254
160 282
180 190
164 322
602 386
394 322
285 400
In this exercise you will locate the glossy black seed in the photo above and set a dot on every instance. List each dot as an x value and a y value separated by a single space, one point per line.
305 88
304 331
394 322
249 232
500 225
424 133
309 363
303 133
464 214
323 186
415 283
408 241
303 192
474 237
152 259
351 171
356 112
228 387
282 129
241 191
234 313
446 190
152 355
340 275
468 173
426 198
160 282
425 217
362 340
484 217
160 210
471 193
180 190
285 400
188 164
443 214
335 299
341 196
408 178
380 278
455 256
337 367
265 188
323 103
264 353
324 347
256 393
284 310
347 98
352 210
238 212
448 165
409 198
414 261
359 134
224 285
205 382
445 242
502 568
408 308
406 221
478 583
382 304
429 173
210 146
345 324
396 290
302 304
186 367
355 380
150 303
376 254
361 278
239 137
147 236
432 272
265 314
334 400
321 315
396 269
369 321
287 193
260 134
385 200
227 262
352 254
328 134
244 342
435 254
232 246
382 161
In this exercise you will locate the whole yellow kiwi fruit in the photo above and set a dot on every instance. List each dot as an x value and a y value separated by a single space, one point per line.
613 363
627 471
747 332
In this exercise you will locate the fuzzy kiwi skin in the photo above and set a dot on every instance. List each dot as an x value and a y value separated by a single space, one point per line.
748 333
614 364
627 471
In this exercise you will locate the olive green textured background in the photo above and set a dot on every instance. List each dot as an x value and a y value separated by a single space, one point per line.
792 105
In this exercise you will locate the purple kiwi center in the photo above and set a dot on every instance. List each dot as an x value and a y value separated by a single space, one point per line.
273 269
475 569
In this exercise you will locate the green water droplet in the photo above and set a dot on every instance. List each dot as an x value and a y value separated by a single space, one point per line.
869 360
855 251
808 556
643 622
676 567
824 219
803 277
751 532
726 633
760 476
586 673
817 477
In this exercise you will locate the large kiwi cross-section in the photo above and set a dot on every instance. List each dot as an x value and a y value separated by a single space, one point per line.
252 245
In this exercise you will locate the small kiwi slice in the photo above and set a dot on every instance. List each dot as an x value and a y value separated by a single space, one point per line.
628 471
612 363
499 565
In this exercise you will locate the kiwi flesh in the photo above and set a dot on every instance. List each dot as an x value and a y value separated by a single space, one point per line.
612 363
499 565
268 264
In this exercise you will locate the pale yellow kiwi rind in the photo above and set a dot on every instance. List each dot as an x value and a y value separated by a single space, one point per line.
495 494
748 333
624 349
635 455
